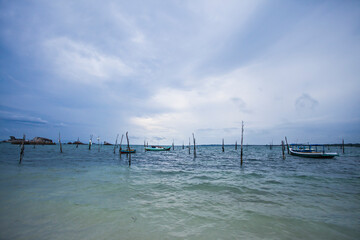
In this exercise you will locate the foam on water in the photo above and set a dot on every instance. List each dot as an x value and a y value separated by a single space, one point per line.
84 194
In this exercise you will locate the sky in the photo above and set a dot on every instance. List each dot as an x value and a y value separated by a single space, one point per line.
162 70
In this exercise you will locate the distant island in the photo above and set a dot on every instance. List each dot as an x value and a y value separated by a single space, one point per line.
37 141
34 141
46 141
77 143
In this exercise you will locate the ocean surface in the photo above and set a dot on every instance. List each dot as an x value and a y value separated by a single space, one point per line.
82 194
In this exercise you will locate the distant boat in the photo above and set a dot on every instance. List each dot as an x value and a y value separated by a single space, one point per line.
131 150
157 148
310 151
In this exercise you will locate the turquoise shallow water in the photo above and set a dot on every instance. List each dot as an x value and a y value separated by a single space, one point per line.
82 194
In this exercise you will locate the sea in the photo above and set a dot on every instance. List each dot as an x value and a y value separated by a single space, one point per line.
95 194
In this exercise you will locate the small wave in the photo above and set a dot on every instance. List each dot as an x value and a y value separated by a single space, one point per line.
203 177
273 182
211 187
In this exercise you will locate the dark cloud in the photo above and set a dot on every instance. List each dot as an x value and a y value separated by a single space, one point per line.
305 101
21 118
241 105
158 138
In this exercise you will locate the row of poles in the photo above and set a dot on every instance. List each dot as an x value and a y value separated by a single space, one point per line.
120 149
128 145
194 144
223 146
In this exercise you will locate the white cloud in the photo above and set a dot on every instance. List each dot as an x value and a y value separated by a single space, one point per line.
82 62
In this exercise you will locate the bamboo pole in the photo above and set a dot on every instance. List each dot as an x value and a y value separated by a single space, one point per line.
122 136
189 146
235 145
60 143
287 145
223 148
194 146
98 138
283 149
183 145
343 146
173 144
242 140
128 143
90 141
22 149
117 136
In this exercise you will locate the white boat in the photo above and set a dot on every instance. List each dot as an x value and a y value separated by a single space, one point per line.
310 151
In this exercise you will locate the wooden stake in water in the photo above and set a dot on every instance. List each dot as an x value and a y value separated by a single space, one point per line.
189 146
287 145
283 149
173 144
122 136
77 143
117 136
343 146
235 145
22 149
128 143
183 145
223 148
242 140
98 138
194 146
60 143
90 141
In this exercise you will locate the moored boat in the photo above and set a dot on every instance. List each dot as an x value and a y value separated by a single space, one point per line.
310 151
157 148
131 150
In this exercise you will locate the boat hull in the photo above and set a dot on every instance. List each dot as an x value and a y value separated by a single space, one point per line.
158 149
127 151
312 154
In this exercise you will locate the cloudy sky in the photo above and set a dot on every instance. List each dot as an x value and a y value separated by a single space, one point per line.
165 69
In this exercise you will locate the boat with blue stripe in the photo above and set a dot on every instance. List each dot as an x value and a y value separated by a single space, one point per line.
310 151
157 148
